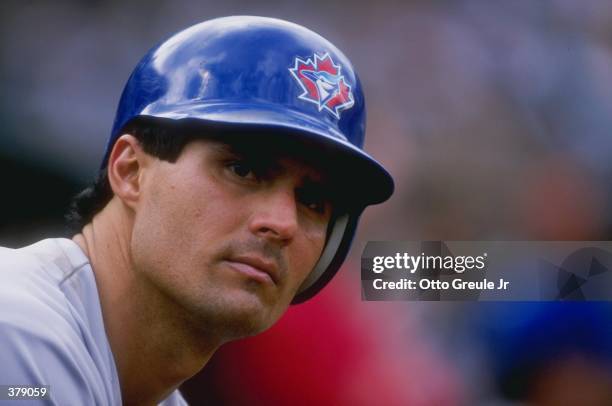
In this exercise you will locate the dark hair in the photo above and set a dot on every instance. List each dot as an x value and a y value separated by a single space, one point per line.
157 138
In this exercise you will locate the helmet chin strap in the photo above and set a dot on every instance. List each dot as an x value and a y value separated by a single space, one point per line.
329 252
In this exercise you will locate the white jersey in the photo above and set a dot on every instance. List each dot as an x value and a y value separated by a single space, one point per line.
51 327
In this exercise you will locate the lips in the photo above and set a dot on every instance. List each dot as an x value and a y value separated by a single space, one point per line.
256 267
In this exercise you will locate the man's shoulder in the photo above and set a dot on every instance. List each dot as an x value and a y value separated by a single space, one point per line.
33 307
45 333
52 258
54 358
30 291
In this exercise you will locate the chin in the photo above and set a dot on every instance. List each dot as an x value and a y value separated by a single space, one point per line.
237 316
253 316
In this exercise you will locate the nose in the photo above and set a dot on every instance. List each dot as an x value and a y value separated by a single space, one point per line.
275 216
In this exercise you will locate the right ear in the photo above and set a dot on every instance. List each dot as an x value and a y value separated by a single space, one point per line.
126 164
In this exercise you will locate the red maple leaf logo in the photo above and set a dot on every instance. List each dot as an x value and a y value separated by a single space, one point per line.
321 80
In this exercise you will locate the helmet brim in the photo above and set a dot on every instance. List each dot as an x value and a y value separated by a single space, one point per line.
366 179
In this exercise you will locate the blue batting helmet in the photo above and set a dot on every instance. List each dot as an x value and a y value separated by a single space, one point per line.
269 75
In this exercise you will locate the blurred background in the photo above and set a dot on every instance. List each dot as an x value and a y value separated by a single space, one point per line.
494 118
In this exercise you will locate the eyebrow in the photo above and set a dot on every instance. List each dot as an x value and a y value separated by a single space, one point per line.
222 147
269 161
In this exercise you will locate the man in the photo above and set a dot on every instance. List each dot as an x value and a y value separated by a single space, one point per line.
231 187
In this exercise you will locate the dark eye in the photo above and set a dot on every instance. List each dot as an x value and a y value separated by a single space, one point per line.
318 206
314 200
241 169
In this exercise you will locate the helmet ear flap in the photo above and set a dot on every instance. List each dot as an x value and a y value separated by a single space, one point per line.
334 237
334 253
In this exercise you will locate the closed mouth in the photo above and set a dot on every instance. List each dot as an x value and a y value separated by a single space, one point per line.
254 265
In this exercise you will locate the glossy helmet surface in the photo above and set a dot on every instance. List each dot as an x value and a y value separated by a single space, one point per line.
264 75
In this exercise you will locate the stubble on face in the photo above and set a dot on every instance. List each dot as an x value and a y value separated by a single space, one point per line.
232 315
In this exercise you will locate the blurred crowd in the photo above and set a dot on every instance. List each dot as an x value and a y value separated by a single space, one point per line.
494 118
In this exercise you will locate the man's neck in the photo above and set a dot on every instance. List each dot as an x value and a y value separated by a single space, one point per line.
154 347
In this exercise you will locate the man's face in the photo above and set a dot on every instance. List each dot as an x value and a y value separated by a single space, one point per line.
229 233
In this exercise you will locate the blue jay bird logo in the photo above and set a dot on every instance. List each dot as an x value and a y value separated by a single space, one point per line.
322 84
